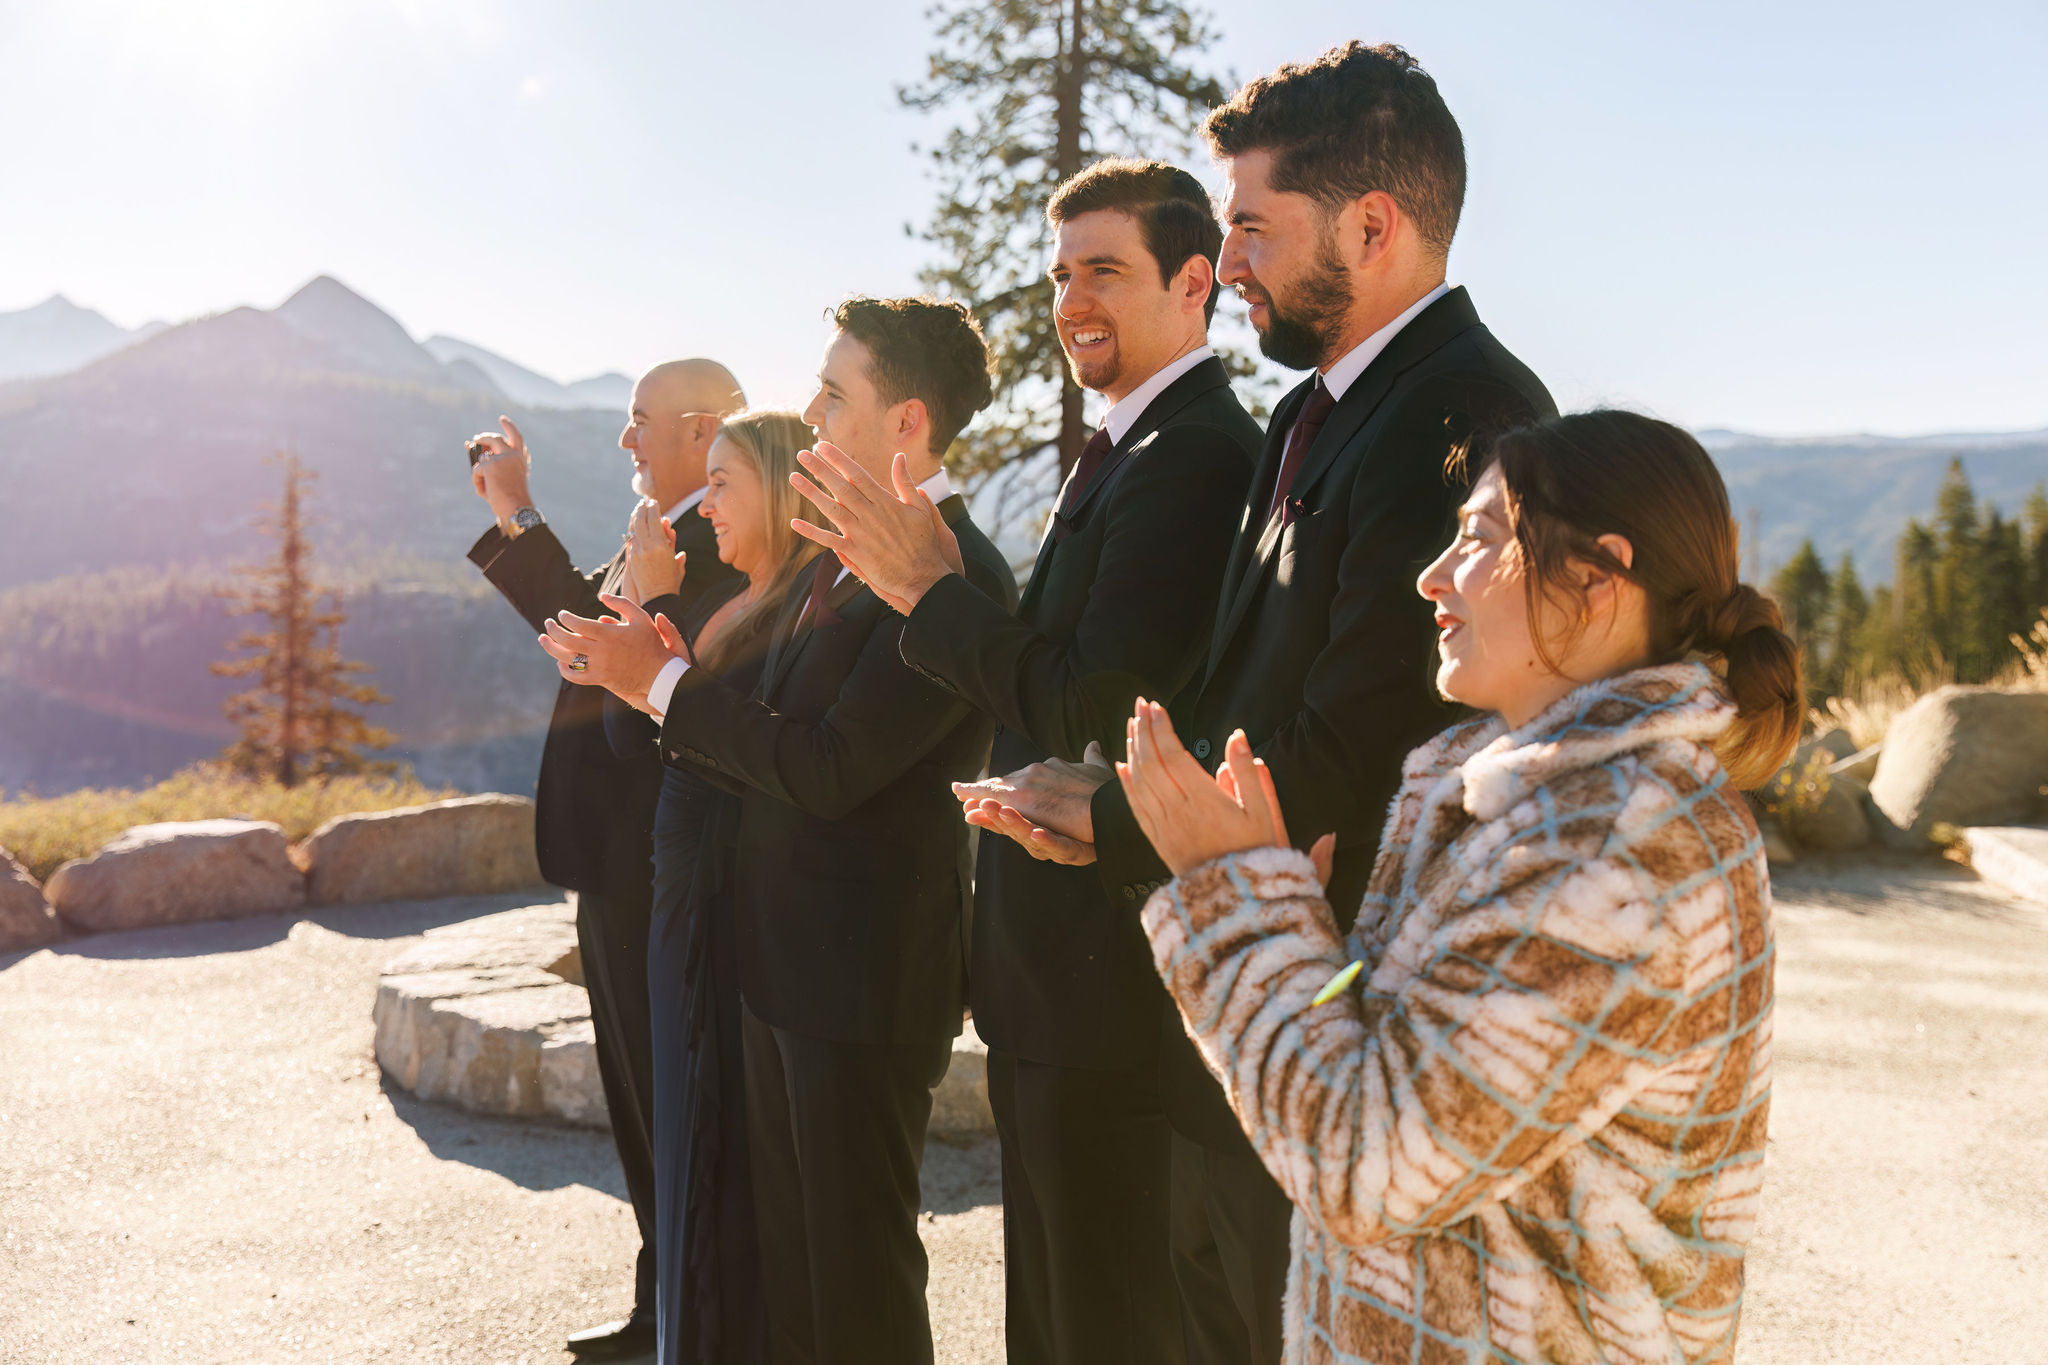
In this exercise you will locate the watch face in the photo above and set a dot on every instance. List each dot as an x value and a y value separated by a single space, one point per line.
526 518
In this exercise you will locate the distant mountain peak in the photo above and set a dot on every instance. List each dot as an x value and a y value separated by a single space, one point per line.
330 312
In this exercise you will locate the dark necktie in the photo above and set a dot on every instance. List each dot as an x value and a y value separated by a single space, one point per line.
1300 437
822 583
1092 456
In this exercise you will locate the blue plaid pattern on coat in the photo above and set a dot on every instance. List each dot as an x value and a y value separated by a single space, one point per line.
1535 1131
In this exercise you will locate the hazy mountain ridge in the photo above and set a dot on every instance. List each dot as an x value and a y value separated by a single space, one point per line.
152 456
56 336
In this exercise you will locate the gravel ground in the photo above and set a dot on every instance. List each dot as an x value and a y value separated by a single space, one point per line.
200 1162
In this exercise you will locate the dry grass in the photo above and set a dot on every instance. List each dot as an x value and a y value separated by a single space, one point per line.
2030 671
1866 706
45 831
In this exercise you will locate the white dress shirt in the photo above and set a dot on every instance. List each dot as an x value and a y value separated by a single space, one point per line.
1345 372
938 488
1128 409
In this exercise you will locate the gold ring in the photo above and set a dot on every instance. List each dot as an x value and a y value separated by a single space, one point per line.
579 664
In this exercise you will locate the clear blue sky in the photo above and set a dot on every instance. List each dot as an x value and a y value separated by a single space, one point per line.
1789 218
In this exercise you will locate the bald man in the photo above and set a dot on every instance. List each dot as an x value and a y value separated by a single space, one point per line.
594 816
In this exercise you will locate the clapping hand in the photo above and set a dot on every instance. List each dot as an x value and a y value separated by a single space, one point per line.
623 655
1192 818
653 563
895 542
1044 807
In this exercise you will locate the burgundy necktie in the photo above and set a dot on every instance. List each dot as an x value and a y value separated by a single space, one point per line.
1300 437
822 583
1091 459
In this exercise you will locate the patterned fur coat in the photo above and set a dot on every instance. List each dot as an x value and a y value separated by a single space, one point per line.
1535 1130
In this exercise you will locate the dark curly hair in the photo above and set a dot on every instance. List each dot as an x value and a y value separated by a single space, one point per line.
1354 120
927 349
1170 206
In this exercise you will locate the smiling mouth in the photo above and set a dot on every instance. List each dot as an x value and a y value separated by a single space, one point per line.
1087 338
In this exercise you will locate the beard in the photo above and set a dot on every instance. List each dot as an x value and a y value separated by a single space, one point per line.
1099 374
1298 332
643 484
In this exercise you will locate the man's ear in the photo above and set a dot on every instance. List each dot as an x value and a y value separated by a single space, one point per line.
1365 228
911 418
1196 278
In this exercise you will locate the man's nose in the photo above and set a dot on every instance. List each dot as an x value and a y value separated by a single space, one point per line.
1230 262
629 439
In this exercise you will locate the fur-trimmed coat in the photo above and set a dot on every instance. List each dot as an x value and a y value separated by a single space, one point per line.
1534 1130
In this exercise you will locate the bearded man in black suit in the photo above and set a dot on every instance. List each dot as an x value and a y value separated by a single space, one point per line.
852 866
1120 604
594 811
1346 178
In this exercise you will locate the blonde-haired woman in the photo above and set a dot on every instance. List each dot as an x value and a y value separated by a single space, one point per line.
1520 1107
708 1297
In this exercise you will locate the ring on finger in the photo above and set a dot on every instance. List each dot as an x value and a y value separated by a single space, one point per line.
580 664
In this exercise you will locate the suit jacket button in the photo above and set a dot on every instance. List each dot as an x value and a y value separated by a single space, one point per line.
1201 748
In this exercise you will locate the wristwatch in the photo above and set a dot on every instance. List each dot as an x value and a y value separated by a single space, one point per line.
524 520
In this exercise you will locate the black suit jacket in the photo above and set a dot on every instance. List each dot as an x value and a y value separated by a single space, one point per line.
853 872
593 809
1323 652
1121 608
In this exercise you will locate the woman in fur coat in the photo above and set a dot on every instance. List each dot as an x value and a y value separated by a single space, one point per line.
1520 1108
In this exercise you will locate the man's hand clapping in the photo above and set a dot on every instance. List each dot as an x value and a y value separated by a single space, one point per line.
895 542
1043 807
653 563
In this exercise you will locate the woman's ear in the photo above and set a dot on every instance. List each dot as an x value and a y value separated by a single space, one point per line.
1600 585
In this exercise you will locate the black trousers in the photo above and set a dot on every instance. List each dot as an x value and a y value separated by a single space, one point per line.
1230 1250
836 1131
611 932
1086 1167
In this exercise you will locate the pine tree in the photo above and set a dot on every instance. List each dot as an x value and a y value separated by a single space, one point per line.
1960 608
1916 640
1850 610
1802 590
293 725
2034 544
1047 86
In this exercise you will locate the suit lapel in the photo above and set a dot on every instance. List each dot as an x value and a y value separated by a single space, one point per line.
782 648
1203 378
1425 333
1244 551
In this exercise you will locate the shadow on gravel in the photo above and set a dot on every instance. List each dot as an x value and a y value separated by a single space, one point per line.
955 1179
380 920
1885 883
399 919
534 1154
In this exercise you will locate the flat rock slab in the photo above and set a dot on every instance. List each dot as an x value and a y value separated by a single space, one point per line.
470 846
26 919
180 872
482 1015
2012 856
490 1015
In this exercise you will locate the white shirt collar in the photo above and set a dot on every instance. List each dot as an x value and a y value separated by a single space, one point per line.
938 488
1345 372
1125 412
675 513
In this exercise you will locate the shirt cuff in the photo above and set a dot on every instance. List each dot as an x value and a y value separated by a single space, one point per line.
663 688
